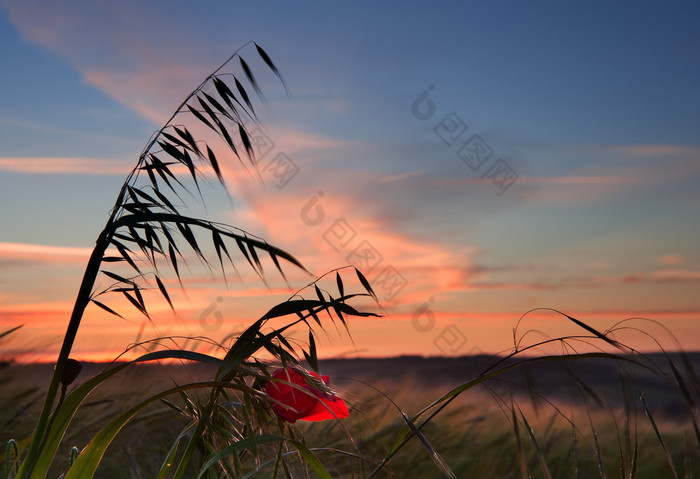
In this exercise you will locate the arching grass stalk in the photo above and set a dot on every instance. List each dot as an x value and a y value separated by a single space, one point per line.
143 217
687 389
254 339
232 375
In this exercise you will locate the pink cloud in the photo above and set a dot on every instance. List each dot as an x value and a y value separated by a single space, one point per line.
152 91
295 141
670 259
138 72
675 275
336 234
656 164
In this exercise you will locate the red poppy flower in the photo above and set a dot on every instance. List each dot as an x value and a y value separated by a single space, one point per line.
310 405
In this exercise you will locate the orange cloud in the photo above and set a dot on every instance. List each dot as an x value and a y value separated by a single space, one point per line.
327 232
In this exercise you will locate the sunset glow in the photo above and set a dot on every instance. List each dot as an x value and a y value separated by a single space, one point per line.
474 164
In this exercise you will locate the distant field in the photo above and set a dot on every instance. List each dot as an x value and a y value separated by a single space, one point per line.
475 434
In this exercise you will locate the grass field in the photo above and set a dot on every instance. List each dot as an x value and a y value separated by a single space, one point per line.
585 421
608 413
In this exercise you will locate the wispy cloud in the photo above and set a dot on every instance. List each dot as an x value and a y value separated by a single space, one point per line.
601 173
137 74
64 166
658 276
337 234
66 132
639 151
44 253
670 259
297 141
151 91
565 180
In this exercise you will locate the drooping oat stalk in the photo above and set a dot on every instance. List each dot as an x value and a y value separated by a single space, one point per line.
146 224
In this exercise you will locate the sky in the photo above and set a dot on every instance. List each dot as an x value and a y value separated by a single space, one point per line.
476 160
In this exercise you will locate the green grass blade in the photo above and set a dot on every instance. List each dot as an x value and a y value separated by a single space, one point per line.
73 401
658 436
520 454
434 455
86 464
540 453
63 418
311 459
164 470
247 443
440 403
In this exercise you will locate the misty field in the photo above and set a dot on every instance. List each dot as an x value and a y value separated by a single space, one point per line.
548 422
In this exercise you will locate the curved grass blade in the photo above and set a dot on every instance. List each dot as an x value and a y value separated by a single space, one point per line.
91 456
310 459
107 308
244 95
243 444
187 136
250 77
437 458
520 455
365 283
294 306
533 439
669 459
215 103
10 331
215 166
164 292
443 401
246 143
268 61
164 470
74 400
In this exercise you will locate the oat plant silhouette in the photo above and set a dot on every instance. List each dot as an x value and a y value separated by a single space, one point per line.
148 232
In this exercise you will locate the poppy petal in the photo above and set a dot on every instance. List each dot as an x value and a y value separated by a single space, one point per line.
294 404
327 409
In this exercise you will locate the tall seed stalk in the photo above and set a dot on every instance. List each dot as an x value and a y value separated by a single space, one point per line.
151 212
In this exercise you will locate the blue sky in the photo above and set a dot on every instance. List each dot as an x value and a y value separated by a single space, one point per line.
595 107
